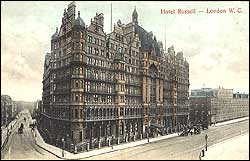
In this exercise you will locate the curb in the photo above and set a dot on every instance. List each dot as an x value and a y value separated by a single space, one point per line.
48 151
45 148
121 148
113 150
4 143
246 118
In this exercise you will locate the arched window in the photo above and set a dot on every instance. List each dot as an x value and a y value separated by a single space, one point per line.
107 110
88 113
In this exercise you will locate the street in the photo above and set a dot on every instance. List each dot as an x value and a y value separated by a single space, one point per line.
22 146
179 147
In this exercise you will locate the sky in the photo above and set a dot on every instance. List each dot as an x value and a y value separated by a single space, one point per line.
215 45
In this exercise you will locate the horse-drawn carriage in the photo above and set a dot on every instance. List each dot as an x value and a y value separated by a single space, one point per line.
184 133
197 129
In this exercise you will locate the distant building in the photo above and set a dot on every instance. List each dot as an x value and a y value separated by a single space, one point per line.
209 105
8 109
37 109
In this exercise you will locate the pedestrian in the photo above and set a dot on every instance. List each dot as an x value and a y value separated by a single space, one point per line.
200 156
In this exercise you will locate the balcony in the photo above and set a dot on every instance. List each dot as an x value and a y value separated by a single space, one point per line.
99 80
133 116
77 76
182 113
77 103
55 117
103 118
133 83
100 92
134 95
77 90
61 91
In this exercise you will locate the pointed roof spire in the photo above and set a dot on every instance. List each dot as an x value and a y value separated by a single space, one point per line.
135 16
135 12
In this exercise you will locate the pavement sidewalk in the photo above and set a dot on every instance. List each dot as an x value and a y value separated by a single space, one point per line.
6 132
236 148
67 155
232 121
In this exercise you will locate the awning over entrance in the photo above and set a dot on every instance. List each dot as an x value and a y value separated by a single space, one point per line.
154 125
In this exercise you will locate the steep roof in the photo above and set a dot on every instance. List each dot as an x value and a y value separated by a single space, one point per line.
55 35
79 21
147 42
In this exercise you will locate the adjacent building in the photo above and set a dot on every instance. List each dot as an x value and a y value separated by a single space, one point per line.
36 112
208 106
101 89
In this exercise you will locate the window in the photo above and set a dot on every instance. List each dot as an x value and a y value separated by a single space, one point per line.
89 60
103 99
76 113
82 47
77 85
96 51
88 98
95 98
102 52
109 99
122 99
90 39
80 136
89 50
81 84
97 41
87 86
122 112
76 97
122 88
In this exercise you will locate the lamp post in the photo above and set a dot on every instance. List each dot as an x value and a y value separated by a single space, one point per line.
196 116
63 147
206 137
112 142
